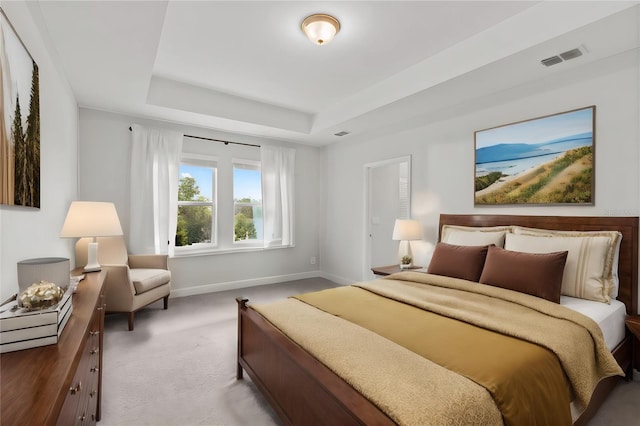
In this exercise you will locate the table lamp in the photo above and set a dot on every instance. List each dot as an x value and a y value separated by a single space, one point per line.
406 230
91 219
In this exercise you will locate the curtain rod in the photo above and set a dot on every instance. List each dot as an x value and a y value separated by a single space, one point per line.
217 140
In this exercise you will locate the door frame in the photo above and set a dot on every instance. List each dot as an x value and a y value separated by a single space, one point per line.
366 229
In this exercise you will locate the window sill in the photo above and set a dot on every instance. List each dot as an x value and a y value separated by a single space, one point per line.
216 251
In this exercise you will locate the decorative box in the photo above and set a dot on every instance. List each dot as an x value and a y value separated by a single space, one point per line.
22 329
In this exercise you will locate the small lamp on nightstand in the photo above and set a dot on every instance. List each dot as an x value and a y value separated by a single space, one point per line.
405 231
91 219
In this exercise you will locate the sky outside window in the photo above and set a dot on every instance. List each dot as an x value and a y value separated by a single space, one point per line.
203 177
246 184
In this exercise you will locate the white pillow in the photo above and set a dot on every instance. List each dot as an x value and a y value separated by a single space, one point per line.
588 270
474 236
615 239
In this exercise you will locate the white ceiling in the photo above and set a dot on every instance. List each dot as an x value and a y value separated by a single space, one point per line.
245 67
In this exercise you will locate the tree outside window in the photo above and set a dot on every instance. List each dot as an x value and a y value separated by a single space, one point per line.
196 208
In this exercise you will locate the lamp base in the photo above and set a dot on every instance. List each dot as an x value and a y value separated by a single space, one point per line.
92 258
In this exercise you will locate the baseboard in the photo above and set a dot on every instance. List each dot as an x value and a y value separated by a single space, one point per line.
336 279
233 285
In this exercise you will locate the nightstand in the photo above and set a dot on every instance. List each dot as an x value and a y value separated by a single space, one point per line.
392 269
633 324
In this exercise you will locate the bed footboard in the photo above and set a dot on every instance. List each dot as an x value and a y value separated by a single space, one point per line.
299 388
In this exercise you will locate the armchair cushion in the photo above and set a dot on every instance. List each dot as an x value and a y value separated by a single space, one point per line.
147 279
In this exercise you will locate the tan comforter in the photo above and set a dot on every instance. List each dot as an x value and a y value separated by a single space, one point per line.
415 390
525 380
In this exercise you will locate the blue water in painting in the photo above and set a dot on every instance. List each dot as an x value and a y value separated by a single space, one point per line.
515 158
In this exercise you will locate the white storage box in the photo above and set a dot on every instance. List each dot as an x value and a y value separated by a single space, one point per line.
21 329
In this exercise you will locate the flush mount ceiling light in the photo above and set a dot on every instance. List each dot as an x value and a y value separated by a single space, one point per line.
320 28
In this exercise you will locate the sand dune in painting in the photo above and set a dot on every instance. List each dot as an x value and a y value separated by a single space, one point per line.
565 179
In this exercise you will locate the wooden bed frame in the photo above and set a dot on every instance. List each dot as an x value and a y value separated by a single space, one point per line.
303 391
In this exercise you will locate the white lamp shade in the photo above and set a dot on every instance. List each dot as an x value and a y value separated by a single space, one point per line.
320 29
407 230
91 219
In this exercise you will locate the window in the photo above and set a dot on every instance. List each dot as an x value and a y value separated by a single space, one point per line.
221 205
197 203
247 201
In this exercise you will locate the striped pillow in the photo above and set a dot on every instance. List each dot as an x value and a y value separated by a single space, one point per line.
588 270
612 256
474 236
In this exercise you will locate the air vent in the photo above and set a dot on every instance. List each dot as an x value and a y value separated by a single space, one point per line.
342 133
569 54
551 61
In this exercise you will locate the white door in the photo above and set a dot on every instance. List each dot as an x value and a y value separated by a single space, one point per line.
387 200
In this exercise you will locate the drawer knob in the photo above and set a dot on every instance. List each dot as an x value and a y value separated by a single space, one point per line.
99 308
76 389
94 351
82 418
94 333
95 369
92 393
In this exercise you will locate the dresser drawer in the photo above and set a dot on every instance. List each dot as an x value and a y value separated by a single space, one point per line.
68 414
81 406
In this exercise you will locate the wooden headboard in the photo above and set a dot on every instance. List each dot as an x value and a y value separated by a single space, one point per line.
628 226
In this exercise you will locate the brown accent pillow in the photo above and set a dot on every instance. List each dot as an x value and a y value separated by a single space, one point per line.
463 262
537 274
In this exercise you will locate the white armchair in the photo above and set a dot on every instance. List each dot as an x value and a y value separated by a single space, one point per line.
133 281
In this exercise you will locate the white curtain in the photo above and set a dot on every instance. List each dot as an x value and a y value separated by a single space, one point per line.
155 163
278 169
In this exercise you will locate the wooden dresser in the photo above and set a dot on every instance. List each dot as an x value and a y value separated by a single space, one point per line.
59 384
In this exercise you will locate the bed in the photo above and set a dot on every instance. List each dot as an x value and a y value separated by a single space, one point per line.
303 390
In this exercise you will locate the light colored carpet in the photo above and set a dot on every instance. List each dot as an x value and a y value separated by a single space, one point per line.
178 366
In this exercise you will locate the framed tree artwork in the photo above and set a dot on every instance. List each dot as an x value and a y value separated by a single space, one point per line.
541 161
19 121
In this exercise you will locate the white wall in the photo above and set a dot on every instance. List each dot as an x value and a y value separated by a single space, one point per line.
104 174
443 158
29 233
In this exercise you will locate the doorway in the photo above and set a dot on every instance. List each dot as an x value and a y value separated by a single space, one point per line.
387 198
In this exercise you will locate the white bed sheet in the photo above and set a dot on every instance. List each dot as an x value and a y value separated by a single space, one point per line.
610 318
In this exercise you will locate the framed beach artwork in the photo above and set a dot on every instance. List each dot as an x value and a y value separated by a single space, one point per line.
541 161
19 121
